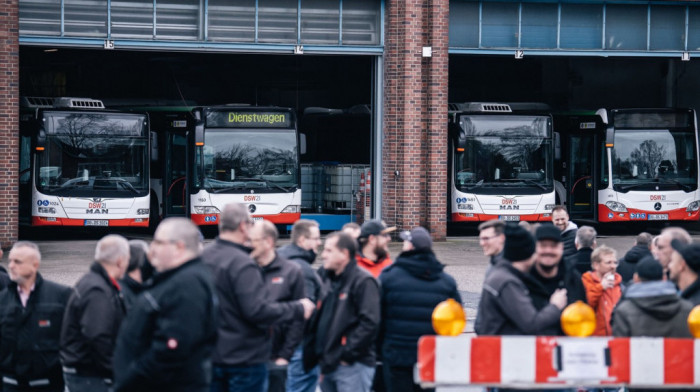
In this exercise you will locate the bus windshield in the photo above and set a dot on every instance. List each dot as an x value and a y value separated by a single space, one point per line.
653 159
94 155
505 152
238 159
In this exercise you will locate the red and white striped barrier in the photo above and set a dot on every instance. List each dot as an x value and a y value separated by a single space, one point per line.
548 362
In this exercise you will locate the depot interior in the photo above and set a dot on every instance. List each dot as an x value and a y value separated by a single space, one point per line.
346 82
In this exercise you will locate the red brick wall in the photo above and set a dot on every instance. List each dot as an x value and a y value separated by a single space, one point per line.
9 123
415 115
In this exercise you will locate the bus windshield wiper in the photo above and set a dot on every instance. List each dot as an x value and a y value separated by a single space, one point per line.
478 184
126 184
259 180
527 181
684 187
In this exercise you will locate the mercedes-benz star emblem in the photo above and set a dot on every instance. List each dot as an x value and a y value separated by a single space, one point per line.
657 206
252 208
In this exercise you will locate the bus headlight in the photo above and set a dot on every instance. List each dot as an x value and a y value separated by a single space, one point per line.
615 206
694 206
291 209
206 210
47 210
143 211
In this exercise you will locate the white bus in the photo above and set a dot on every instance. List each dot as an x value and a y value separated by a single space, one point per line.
631 165
207 157
82 165
500 162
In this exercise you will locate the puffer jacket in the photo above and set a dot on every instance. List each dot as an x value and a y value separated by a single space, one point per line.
602 301
411 288
652 309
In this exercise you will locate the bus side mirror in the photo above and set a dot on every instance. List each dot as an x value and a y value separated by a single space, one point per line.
154 147
40 139
557 146
199 133
302 143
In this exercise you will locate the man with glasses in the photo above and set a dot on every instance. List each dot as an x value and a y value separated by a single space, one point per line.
374 246
246 312
166 341
492 239
306 238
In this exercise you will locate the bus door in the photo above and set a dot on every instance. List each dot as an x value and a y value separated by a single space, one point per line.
176 178
582 173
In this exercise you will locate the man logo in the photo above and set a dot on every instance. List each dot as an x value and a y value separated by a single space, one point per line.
252 208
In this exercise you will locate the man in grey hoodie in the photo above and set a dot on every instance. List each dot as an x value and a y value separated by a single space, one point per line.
651 306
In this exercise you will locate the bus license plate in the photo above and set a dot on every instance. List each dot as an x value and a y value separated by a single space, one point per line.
658 216
96 222
257 218
510 218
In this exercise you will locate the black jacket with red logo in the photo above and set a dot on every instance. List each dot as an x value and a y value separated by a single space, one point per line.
285 282
349 331
29 337
93 315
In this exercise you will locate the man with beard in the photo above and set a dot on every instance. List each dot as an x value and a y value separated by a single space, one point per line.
506 306
684 270
306 238
374 241
551 272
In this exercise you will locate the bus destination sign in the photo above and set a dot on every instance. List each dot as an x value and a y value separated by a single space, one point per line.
248 119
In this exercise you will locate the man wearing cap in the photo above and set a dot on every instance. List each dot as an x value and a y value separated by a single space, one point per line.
684 269
506 307
552 272
650 306
411 288
373 242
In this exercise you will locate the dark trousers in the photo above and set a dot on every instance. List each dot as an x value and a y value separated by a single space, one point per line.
75 383
239 378
276 377
400 379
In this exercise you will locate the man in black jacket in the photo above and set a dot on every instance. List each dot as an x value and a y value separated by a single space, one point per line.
585 242
167 338
411 288
306 238
627 265
31 314
284 282
684 270
345 328
246 312
553 272
560 219
93 316
506 307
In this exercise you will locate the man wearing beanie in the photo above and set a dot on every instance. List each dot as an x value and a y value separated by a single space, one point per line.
506 307
411 288
684 269
650 306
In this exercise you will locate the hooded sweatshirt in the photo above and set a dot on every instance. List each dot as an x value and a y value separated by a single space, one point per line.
628 264
652 309
411 288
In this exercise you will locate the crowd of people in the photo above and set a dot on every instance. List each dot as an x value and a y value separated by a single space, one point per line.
242 314
534 275
239 314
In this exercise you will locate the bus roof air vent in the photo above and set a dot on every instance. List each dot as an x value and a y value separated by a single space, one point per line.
37 102
81 103
492 108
